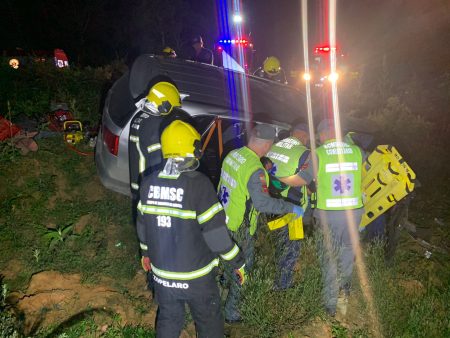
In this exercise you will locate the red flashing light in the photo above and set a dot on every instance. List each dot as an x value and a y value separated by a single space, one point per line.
111 140
324 49
242 42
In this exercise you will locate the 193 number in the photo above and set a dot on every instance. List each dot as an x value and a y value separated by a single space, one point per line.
164 221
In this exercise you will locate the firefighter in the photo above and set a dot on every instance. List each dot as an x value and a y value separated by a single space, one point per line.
144 147
338 213
181 228
290 157
169 52
271 70
157 110
244 194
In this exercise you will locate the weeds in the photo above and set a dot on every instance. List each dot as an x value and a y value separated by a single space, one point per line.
272 313
58 235
36 255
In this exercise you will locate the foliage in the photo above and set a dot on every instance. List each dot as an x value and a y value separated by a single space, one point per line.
58 235
8 322
407 307
271 313
32 89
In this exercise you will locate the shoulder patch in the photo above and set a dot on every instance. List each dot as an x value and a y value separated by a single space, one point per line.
262 179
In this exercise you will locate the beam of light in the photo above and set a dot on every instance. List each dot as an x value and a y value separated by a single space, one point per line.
312 135
352 227
237 18
236 83
244 87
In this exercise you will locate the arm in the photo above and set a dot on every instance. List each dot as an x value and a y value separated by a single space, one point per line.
140 228
211 218
262 202
304 175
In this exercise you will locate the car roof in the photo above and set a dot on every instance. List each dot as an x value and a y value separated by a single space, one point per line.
227 91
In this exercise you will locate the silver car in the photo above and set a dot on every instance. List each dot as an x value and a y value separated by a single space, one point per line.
218 100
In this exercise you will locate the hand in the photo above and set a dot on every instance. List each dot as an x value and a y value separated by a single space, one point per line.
298 211
241 274
145 262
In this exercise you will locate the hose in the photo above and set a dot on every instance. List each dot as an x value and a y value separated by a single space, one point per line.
71 147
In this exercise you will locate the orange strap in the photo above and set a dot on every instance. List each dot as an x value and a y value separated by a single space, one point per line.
208 137
218 124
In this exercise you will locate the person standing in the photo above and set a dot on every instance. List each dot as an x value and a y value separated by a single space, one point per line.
182 233
289 161
244 194
338 212
194 50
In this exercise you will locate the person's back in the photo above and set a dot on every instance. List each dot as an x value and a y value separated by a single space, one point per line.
338 213
182 233
177 239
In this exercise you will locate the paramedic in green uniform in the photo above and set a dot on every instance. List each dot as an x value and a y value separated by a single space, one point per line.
244 194
338 213
289 157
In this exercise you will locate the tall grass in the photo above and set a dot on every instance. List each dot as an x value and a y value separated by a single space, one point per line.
407 307
273 313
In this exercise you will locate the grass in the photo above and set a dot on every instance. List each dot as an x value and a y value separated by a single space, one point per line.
86 326
408 306
53 188
271 313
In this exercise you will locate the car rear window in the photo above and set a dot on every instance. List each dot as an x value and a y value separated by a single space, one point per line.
121 103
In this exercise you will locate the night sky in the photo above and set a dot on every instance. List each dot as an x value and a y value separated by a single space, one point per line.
413 34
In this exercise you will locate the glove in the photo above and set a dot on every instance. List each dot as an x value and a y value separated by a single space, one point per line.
241 274
298 211
145 262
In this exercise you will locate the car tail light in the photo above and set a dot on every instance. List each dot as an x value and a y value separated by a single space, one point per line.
111 140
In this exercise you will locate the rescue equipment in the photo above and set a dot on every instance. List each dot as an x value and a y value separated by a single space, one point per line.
386 179
73 131
295 226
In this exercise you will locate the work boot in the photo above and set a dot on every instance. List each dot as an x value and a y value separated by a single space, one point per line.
342 303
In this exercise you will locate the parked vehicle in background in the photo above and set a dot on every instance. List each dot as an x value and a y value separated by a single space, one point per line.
218 99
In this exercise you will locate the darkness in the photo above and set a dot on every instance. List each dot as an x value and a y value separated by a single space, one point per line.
405 40
97 31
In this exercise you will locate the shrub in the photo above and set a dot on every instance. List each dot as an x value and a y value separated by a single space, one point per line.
31 89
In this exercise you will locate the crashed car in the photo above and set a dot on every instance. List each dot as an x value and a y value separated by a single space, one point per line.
224 104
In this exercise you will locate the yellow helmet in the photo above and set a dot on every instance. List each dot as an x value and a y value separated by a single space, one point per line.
167 51
180 139
271 65
164 96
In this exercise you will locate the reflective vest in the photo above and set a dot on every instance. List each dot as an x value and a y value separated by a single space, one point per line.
237 168
285 156
339 176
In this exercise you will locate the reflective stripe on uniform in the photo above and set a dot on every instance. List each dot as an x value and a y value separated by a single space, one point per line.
341 202
134 138
171 177
231 254
153 147
135 186
208 214
143 246
180 213
141 155
345 166
186 275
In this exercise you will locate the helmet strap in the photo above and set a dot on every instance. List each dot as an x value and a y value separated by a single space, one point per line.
177 165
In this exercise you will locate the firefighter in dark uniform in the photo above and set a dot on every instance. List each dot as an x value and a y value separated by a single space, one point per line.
160 107
182 231
144 147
